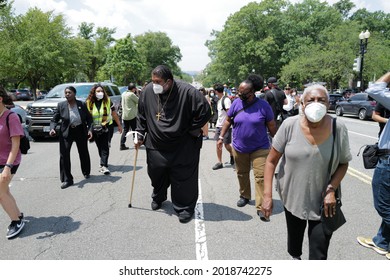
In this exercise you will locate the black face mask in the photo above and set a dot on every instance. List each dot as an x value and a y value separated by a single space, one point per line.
244 97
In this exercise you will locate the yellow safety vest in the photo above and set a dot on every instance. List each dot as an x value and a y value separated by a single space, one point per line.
102 116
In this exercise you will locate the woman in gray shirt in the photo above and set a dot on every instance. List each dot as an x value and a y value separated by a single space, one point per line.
304 144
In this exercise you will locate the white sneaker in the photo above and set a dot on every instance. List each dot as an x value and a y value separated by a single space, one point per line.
105 170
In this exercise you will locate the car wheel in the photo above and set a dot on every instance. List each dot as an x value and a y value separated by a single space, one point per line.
363 114
339 111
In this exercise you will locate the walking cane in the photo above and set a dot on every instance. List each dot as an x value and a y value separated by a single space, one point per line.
135 162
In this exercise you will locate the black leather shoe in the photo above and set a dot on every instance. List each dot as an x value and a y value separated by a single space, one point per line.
262 217
242 202
155 205
185 217
66 184
86 176
123 147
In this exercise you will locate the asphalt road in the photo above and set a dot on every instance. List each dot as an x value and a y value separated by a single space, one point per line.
91 220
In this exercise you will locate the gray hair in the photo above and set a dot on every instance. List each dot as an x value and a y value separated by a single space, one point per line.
309 89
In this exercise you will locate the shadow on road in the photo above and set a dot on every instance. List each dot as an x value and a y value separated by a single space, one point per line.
48 226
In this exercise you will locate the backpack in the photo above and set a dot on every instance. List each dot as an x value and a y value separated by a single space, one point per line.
24 142
223 102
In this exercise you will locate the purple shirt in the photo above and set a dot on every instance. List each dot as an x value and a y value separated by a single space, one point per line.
15 129
249 129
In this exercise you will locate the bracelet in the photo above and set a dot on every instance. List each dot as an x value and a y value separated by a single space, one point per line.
330 189
10 165
220 137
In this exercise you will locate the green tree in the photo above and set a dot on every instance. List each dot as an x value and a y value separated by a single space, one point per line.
156 48
38 47
124 62
95 47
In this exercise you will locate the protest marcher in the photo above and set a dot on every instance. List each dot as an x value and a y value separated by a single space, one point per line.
170 116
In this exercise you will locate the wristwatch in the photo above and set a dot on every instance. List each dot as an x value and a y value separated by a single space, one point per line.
10 165
220 137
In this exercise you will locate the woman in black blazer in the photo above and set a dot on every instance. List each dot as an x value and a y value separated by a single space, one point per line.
75 126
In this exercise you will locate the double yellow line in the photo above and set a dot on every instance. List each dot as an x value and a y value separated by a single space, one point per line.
359 175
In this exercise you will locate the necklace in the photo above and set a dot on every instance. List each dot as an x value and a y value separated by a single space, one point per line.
160 112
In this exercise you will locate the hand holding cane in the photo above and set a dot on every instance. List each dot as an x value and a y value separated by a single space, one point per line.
135 161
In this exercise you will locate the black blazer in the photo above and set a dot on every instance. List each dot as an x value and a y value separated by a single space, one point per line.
63 115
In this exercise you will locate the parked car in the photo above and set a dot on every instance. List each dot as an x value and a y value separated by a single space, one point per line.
122 89
333 100
20 94
40 112
360 105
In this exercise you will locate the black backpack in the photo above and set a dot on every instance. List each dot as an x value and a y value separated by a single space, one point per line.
24 142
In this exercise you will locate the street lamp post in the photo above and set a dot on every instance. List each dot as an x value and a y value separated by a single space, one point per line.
363 36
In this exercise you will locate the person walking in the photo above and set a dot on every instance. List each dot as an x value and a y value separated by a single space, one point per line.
250 117
276 98
381 115
223 106
170 116
380 243
10 159
129 112
304 144
75 127
103 112
205 128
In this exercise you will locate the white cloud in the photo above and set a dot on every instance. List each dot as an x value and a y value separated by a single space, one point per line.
187 23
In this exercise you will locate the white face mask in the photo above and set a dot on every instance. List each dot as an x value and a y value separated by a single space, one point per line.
99 95
158 89
315 111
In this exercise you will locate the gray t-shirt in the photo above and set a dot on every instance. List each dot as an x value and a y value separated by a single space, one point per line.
303 169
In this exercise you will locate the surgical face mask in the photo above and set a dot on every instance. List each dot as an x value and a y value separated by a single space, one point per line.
99 95
211 94
315 112
158 89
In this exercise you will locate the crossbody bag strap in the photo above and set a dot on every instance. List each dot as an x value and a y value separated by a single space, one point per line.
331 157
243 108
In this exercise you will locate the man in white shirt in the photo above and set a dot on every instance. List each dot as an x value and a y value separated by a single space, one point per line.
222 107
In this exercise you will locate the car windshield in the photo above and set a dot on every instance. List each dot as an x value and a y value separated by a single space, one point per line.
59 91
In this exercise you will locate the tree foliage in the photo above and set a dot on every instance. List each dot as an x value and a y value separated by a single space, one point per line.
299 43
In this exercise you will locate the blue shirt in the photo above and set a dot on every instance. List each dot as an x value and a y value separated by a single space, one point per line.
381 94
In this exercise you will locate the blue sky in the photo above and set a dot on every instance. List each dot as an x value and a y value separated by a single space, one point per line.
187 23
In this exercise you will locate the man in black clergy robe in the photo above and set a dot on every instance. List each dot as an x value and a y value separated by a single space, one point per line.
170 116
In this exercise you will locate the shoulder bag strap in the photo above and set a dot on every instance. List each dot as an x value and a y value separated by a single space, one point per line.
243 108
331 157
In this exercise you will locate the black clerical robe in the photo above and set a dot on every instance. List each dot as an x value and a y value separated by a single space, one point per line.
172 124
181 116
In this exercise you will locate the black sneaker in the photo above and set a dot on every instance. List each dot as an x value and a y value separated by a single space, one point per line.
231 160
218 165
242 202
15 228
155 205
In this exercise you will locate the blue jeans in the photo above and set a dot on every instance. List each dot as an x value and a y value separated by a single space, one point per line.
381 192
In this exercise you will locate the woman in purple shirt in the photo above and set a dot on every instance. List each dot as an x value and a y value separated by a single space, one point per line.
252 118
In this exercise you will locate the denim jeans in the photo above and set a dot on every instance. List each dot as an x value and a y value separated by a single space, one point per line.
381 192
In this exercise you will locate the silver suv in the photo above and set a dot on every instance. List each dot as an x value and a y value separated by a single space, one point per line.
40 112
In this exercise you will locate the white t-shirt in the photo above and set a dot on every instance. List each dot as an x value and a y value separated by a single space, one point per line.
290 103
221 112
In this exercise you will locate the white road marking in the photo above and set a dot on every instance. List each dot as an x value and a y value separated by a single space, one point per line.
376 138
200 229
359 175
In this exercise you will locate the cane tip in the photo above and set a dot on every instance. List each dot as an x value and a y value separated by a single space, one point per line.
129 205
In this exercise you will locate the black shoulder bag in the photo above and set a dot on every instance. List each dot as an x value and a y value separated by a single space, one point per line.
371 154
331 224
24 144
